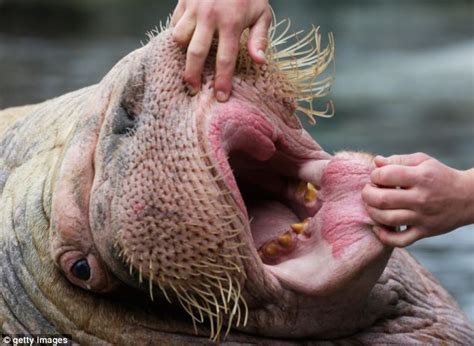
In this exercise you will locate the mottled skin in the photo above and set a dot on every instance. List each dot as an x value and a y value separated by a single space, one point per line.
136 162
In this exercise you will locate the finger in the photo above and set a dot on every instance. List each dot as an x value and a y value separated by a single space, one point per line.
394 176
402 160
177 13
258 39
196 55
387 198
184 30
393 217
398 239
227 54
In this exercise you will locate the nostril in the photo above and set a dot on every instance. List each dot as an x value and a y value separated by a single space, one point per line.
123 122
81 270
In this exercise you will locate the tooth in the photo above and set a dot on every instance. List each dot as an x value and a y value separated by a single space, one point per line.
285 240
298 227
311 193
270 249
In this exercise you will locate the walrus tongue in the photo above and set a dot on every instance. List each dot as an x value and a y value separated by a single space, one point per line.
279 225
269 220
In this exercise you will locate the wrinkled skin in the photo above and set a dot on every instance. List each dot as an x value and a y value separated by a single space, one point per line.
154 188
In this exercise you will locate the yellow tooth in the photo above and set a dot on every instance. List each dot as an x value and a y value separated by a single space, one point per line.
298 227
270 250
285 240
311 193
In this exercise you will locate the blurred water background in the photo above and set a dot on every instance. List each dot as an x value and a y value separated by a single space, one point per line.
404 82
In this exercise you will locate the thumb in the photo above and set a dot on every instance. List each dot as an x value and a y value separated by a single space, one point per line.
258 39
402 160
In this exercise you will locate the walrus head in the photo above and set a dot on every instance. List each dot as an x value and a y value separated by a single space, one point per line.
230 210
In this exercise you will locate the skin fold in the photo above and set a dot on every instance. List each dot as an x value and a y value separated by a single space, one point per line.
153 186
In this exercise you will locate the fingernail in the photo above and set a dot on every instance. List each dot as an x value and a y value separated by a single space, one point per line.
380 161
221 96
261 54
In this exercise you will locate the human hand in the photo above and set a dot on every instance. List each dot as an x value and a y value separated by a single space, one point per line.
432 198
195 23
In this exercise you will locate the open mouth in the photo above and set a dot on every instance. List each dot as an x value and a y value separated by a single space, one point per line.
308 223
274 173
280 206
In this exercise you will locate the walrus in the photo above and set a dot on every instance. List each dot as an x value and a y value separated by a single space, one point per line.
136 212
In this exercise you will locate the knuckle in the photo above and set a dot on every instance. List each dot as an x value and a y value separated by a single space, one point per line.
233 25
375 176
387 239
394 159
209 14
403 174
372 213
426 176
379 176
225 61
382 200
421 155
390 218
422 199
399 170
196 53
376 215
178 36
409 175
366 194
267 16
234 20
242 4
406 178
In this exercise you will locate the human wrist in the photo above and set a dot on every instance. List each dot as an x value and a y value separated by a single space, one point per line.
467 188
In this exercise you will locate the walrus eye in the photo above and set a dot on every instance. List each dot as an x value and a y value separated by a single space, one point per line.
123 122
81 270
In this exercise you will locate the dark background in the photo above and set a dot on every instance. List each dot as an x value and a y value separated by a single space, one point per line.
404 81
